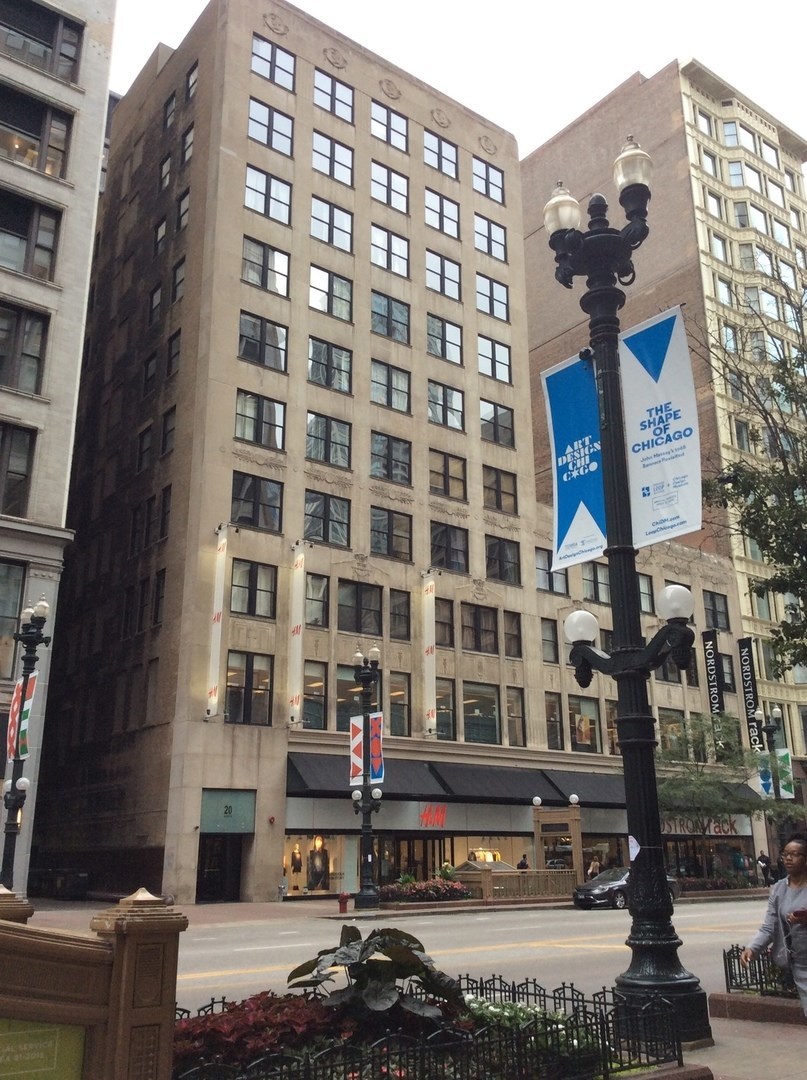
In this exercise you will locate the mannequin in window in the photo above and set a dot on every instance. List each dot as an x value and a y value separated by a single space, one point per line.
319 876
296 866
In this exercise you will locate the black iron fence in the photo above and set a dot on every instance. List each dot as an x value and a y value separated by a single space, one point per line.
760 976
568 1037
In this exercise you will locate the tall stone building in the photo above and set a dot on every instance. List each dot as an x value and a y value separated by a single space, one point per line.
54 66
305 428
728 221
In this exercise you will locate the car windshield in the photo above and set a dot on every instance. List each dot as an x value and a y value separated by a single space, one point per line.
616 873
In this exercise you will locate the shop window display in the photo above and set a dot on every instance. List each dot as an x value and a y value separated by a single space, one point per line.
311 864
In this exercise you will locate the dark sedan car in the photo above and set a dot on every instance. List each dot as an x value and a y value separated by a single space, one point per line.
610 889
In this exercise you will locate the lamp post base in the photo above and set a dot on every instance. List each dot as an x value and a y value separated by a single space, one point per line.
365 898
682 990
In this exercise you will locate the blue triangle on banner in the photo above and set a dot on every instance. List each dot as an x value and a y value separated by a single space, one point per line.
650 346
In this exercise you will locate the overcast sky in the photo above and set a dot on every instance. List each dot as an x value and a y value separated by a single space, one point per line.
510 61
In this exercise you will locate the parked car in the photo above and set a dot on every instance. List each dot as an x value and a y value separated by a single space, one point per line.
556 864
610 889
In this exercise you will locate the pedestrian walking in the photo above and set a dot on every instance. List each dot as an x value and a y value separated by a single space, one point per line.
522 863
784 929
594 867
764 867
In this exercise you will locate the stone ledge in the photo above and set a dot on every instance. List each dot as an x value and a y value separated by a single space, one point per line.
676 1072
755 1007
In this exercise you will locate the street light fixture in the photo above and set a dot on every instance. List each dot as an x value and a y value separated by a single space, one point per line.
366 801
15 790
770 729
603 255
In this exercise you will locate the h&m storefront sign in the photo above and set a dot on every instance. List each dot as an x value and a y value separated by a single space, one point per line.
731 825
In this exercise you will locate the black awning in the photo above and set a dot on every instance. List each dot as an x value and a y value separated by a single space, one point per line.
327 774
494 783
592 789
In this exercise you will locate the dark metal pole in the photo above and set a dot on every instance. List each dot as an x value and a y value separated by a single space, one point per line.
31 637
771 728
366 674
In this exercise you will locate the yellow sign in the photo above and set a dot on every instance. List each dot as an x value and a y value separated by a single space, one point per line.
44 1051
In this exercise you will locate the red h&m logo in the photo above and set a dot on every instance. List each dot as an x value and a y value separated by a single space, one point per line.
433 816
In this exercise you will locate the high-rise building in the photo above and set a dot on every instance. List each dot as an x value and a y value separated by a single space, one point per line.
728 221
54 65
305 428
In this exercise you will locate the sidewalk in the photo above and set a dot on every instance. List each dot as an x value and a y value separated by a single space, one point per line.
743 1050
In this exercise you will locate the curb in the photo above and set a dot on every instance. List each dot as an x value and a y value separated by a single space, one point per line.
755 1008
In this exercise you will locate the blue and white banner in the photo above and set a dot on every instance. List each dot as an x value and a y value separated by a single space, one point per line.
573 420
661 429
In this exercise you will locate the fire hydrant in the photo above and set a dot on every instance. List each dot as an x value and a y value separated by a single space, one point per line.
343 899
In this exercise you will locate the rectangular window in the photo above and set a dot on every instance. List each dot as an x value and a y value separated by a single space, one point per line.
155 304
315 696
327 519
490 237
716 610
332 158
488 180
42 39
390 187
32 133
499 490
449 547
554 725
769 153
16 463
331 224
165 173
262 342
12 578
549 641
390 458
497 423
727 672
390 533
720 248
27 237
191 82
442 213
329 365
446 406
260 420
480 706
516 729
270 127
256 502
389 317
165 511
723 291
249 688
584 725
714 204
23 337
443 275
253 589
440 154
178 281
646 600
389 250
272 62
400 720
446 720
327 440
389 386
492 297
173 353
169 111
389 126
443 339
546 579
186 151
704 122
512 634
444 623
502 560
169 430
399 615
331 293
480 632
160 232
268 195
317 594
447 475
265 266
149 374
183 209
742 435
709 163
359 608
334 96
596 582
494 359
144 445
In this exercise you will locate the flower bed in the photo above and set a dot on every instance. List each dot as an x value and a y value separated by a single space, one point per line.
418 892
721 884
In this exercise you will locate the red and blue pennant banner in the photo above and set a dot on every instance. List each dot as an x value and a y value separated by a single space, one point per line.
376 726
18 717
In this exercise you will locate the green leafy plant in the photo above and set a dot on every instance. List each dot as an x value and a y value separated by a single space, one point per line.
389 970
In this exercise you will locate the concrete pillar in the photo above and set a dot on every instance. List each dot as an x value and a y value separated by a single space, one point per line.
13 908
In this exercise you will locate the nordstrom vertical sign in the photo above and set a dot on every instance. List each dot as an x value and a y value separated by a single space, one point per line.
748 684
714 672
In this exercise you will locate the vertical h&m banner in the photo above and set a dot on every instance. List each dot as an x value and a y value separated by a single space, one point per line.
661 429
714 672
429 657
376 749
573 422
214 662
748 691
295 642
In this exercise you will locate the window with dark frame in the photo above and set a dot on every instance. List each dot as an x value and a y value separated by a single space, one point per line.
330 293
513 645
253 589
390 533
257 502
265 266
389 317
334 96
329 365
32 133
183 209
169 429
446 406
327 440
443 339
389 126
480 632
444 623
443 275
261 341
494 359
186 151
317 593
490 237
390 458
499 489
158 600
389 187
331 224
716 610
390 386
442 213
270 126
488 180
440 154
23 339
492 297
16 464
389 250
400 721
449 547
497 423
248 697
550 651
267 195
447 475
272 62
359 606
503 560
400 617
332 158
28 237
260 420
545 578
596 582
327 519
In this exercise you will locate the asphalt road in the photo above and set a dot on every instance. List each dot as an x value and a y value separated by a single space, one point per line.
586 948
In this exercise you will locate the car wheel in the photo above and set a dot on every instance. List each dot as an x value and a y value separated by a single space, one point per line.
620 900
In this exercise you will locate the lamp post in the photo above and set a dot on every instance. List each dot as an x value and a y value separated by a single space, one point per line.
30 636
769 726
366 801
603 255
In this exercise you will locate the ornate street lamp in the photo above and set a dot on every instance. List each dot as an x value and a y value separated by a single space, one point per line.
603 255
366 801
769 726
30 636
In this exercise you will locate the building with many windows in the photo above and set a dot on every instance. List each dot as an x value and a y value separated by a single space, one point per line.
728 221
305 427
54 63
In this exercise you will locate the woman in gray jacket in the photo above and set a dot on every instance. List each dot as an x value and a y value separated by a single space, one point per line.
785 926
